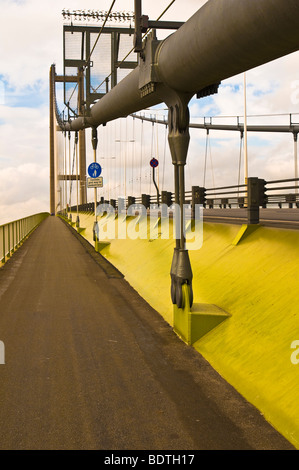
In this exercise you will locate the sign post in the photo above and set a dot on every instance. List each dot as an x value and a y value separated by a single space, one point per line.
94 171
154 164
95 182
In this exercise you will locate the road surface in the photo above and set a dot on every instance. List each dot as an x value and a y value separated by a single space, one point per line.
280 218
90 365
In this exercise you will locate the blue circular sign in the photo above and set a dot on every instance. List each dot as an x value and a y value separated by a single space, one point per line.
154 163
94 170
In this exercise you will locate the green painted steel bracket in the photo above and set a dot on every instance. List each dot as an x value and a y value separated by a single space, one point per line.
245 230
100 245
192 324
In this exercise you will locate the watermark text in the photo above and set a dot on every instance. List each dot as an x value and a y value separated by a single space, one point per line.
150 224
2 353
295 353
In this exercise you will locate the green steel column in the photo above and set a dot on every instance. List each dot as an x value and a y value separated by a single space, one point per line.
82 140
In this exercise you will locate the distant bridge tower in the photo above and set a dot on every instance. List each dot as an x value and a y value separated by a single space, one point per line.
54 121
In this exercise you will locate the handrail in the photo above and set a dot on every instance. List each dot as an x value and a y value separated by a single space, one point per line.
236 197
283 181
12 234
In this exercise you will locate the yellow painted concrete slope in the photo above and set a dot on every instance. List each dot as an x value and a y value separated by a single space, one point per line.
257 282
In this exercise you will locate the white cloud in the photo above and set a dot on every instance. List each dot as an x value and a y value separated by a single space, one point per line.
23 136
32 32
24 190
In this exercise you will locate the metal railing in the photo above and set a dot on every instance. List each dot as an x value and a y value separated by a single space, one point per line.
14 233
256 194
226 197
278 194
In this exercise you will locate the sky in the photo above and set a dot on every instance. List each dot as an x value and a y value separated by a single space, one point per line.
31 40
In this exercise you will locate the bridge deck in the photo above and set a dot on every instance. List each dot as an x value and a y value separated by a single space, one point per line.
270 217
89 365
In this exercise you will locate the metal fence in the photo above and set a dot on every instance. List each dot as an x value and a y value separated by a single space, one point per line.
13 233
256 194
282 193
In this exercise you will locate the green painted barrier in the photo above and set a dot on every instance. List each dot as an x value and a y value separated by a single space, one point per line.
245 316
191 324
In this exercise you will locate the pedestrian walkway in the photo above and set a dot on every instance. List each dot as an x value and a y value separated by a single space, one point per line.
90 365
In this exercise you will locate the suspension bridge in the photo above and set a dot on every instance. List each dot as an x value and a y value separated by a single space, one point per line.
154 308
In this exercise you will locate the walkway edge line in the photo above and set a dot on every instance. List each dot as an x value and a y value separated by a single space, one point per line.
110 270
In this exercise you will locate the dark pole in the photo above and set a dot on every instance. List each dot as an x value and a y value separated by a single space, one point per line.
156 186
52 140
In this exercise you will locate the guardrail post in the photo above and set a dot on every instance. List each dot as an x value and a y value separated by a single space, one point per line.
224 202
131 201
8 240
166 198
166 202
113 203
198 197
210 203
262 193
253 196
12 237
291 199
146 200
241 202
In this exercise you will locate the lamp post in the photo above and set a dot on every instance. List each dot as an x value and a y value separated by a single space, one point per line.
245 139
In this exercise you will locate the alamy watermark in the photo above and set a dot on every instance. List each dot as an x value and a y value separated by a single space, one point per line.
158 222
295 353
2 353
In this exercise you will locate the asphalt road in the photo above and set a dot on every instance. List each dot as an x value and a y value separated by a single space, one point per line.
280 218
90 365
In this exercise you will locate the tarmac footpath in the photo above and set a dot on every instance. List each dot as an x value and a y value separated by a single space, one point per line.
90 365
